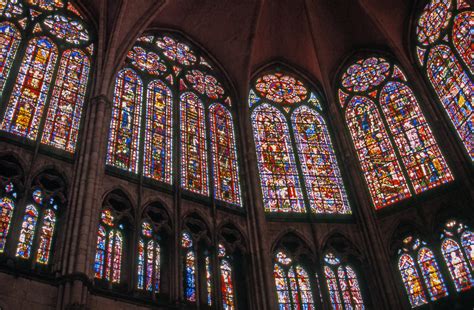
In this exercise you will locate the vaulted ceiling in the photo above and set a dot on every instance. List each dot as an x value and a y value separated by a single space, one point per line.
315 36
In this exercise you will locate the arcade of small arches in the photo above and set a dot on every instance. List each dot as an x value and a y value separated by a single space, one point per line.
170 192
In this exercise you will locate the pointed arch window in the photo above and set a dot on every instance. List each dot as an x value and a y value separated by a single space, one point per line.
292 282
420 272
189 267
38 228
7 207
184 90
149 260
226 278
44 96
110 247
457 253
285 112
445 52
397 151
343 284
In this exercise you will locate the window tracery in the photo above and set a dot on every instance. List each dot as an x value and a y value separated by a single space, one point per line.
445 55
46 100
295 155
185 90
397 151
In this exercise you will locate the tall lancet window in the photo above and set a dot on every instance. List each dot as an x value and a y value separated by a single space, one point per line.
226 278
113 235
397 151
343 284
293 284
170 101
457 248
420 272
189 267
445 53
295 156
42 97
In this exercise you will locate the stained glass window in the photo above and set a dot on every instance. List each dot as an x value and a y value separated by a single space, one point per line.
149 260
433 279
44 89
227 285
9 41
400 160
292 284
442 29
304 285
189 268
7 207
458 268
412 281
122 150
65 108
343 285
279 180
11 8
46 237
158 132
333 288
318 162
467 242
26 104
108 257
454 89
285 112
174 73
27 233
381 168
224 155
209 280
193 144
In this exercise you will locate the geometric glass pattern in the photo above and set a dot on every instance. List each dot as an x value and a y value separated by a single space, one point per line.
46 100
176 79
288 114
109 251
396 148
443 29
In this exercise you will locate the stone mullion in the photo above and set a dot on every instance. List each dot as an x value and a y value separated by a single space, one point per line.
82 242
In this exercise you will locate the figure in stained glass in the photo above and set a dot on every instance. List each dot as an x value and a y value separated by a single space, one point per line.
443 29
